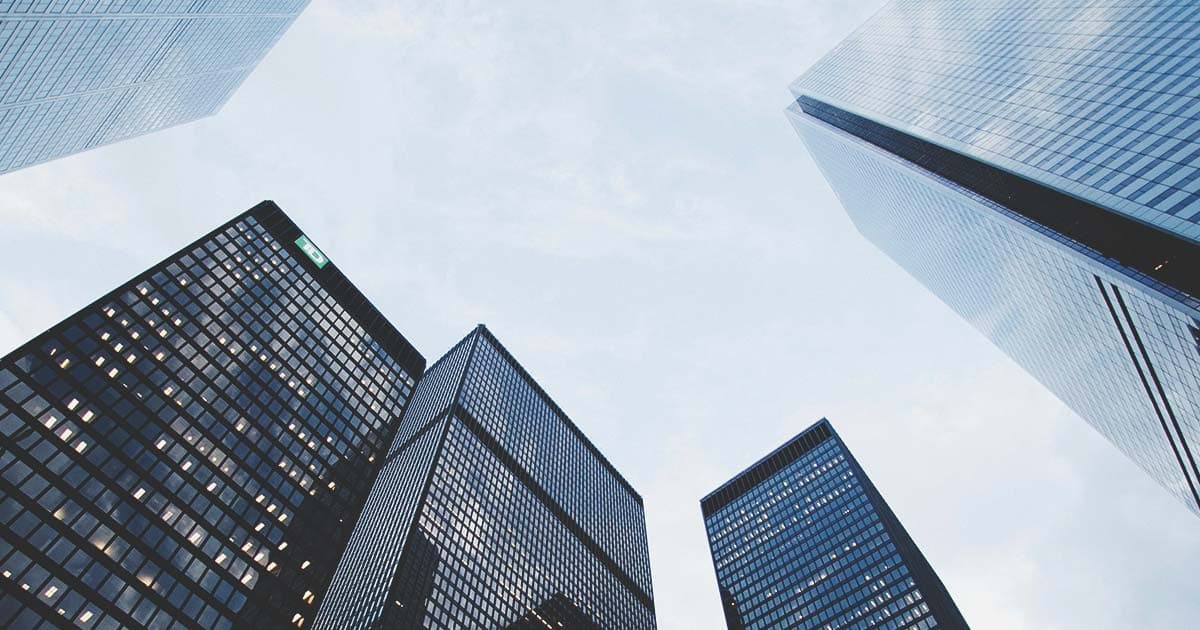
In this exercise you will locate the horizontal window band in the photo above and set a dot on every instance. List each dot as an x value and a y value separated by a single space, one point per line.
1160 255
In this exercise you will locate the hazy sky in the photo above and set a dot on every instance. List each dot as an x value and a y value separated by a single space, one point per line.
613 188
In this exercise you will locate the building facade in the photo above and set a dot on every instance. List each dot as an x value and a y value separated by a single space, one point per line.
802 539
1036 168
493 510
189 451
78 74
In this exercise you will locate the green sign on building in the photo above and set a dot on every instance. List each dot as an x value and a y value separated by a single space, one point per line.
311 250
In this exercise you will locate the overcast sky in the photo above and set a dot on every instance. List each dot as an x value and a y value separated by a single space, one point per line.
613 189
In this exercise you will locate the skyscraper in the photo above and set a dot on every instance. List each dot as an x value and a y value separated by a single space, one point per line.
493 510
1037 168
79 74
191 449
802 539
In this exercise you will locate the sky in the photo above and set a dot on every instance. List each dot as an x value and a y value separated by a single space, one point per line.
614 190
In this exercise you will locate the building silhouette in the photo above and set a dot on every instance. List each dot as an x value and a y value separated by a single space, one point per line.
506 512
802 539
1036 168
76 75
192 449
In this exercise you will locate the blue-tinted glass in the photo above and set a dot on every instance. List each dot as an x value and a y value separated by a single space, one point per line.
77 74
802 540
954 107
494 512
1098 98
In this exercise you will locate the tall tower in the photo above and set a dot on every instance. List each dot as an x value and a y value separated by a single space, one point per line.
802 539
493 510
1037 168
191 449
78 75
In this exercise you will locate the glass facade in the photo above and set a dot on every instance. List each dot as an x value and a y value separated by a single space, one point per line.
78 74
189 451
493 511
1098 98
802 539
1019 159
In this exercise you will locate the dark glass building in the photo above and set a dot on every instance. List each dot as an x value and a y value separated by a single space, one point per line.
78 74
190 450
493 510
802 539
1038 168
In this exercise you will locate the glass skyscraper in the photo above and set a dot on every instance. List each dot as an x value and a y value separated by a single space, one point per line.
493 510
191 449
802 539
1037 166
78 74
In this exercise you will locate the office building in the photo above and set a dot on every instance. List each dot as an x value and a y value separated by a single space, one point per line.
802 539
493 510
1036 167
191 449
78 74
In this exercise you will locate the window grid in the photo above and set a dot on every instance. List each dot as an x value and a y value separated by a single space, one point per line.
188 450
